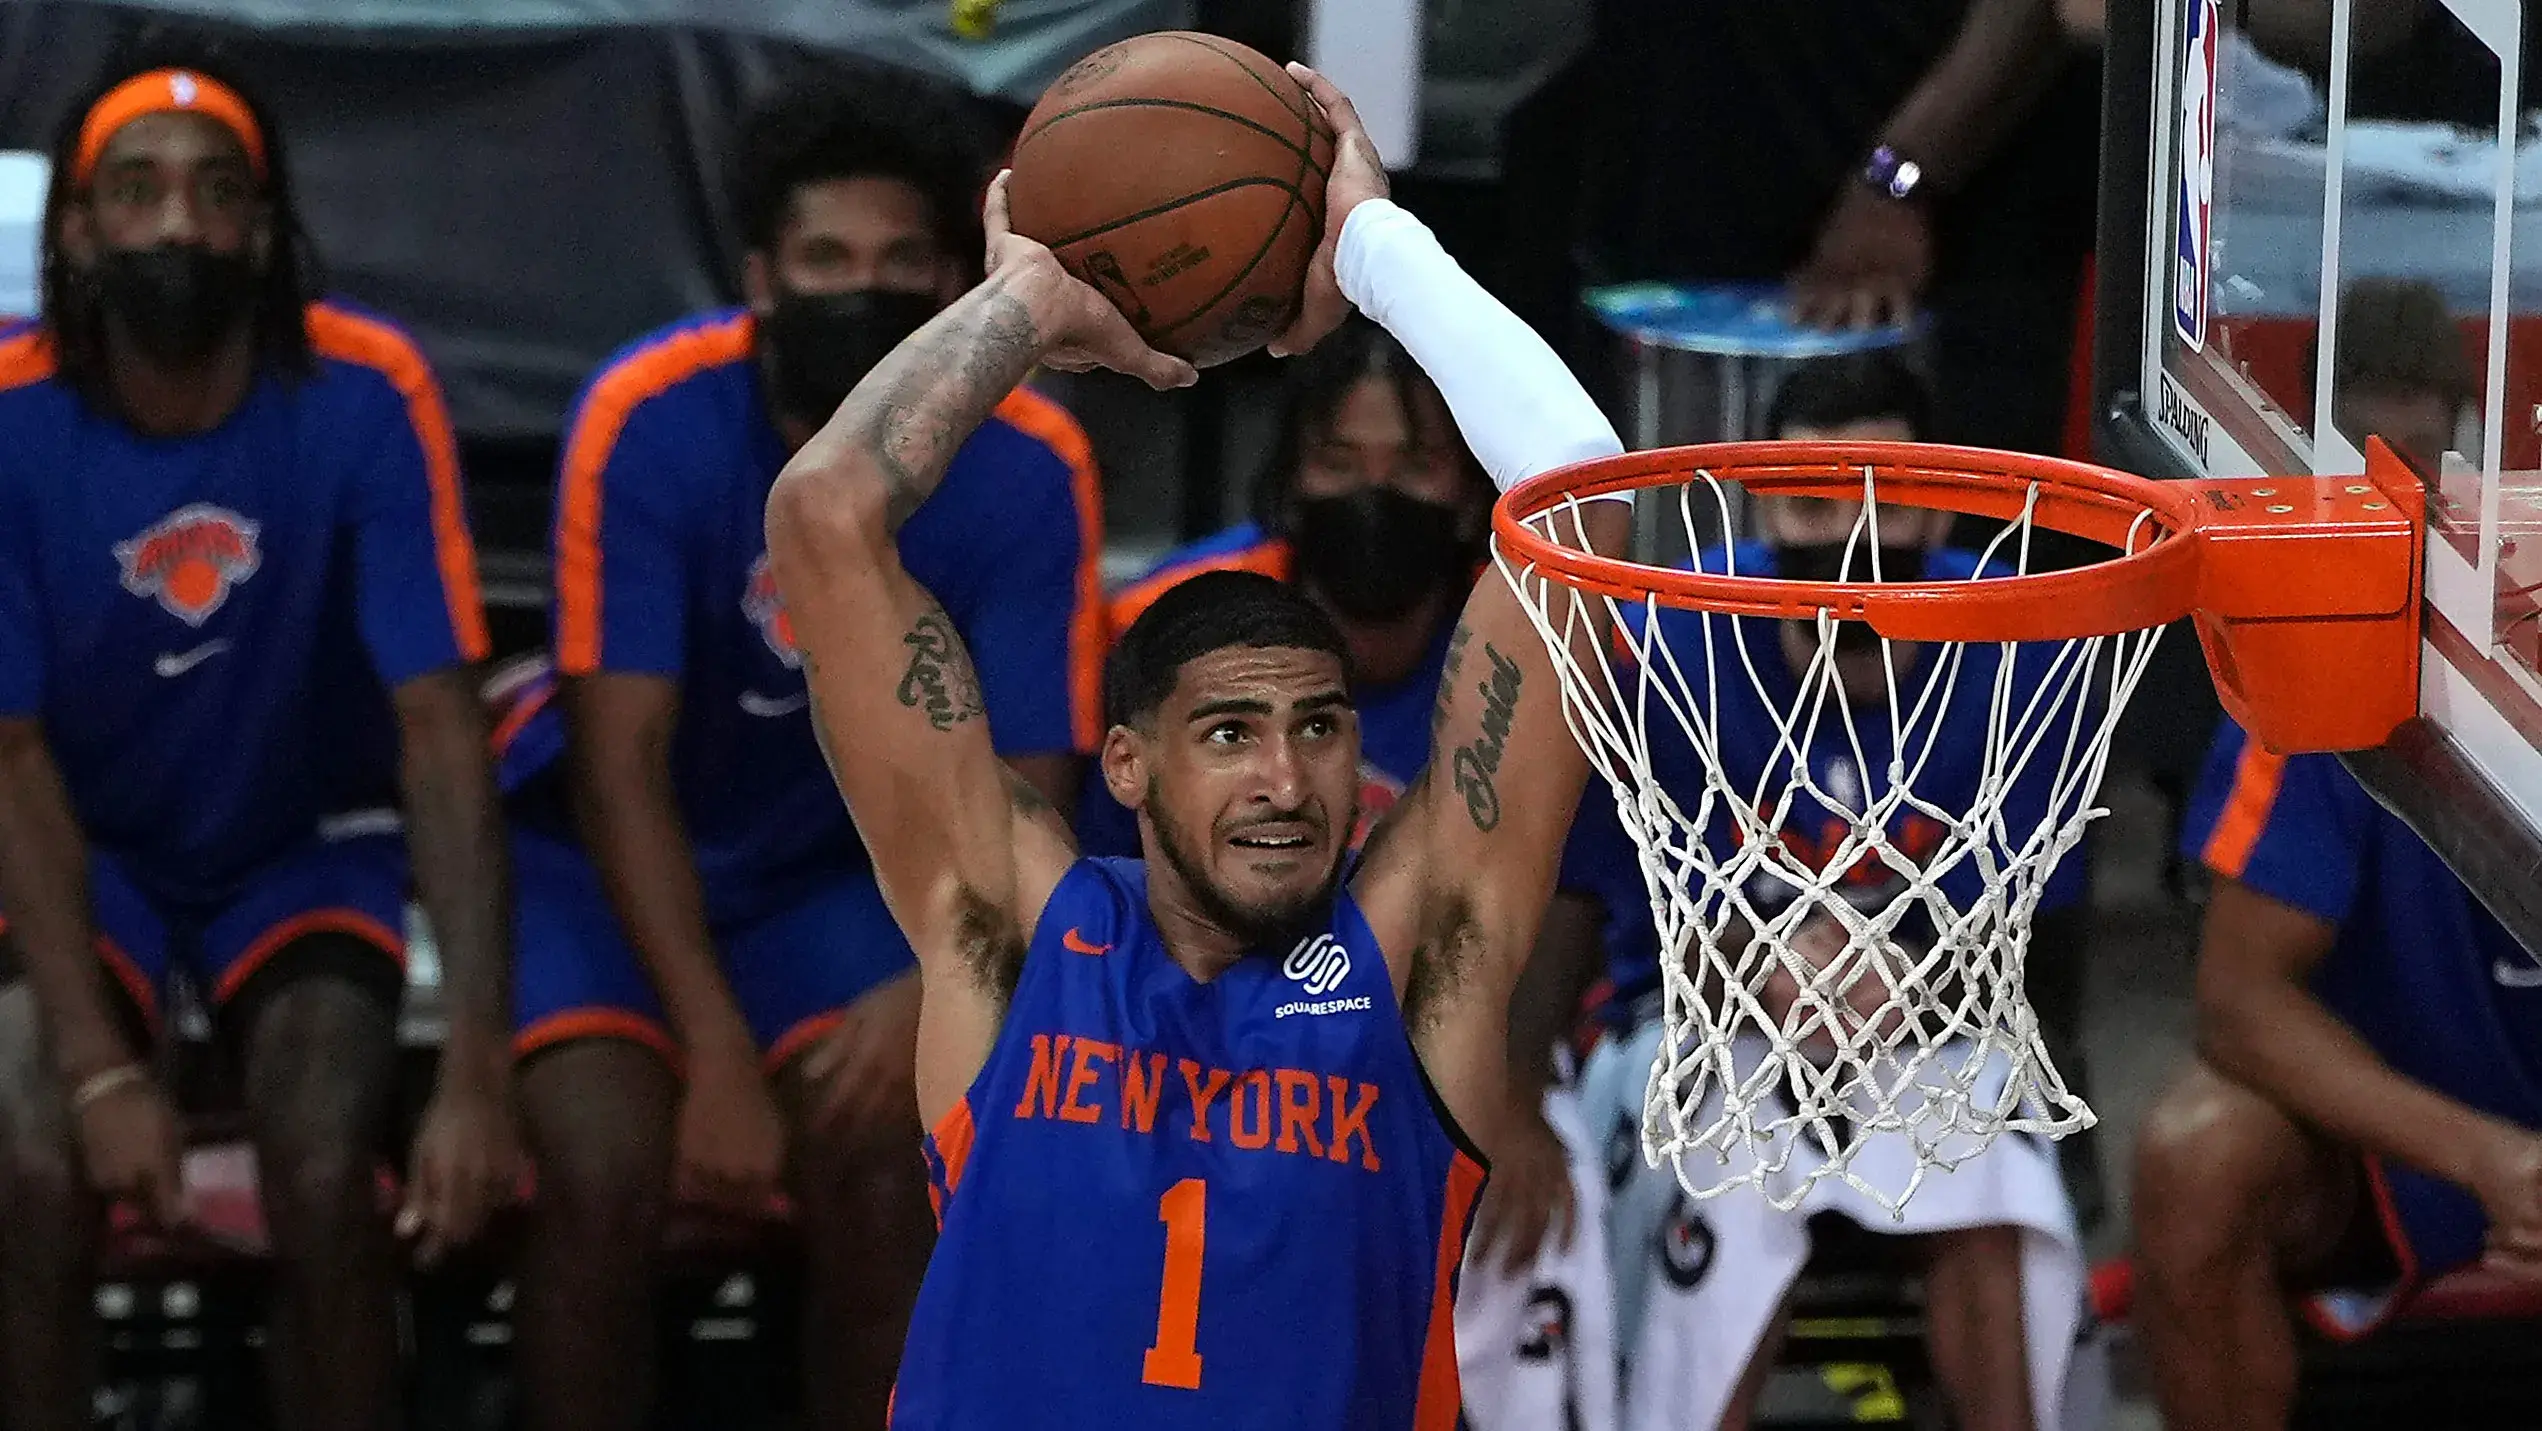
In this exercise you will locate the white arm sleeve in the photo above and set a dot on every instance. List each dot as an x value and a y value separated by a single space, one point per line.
1520 409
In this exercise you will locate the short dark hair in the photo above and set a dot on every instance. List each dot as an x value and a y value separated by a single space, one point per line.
861 120
1209 612
1852 387
1314 388
291 280
2395 335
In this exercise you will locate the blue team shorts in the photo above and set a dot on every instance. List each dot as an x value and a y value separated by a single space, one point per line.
2428 1227
354 885
793 968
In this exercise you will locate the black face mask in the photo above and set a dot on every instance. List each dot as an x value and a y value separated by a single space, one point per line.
1822 561
821 345
175 302
1375 553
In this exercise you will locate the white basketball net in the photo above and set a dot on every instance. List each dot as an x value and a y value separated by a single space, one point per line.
1889 1015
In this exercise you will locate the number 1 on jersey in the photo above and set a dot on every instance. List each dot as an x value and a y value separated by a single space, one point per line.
1175 1359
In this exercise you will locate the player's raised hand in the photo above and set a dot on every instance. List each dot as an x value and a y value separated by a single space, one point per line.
731 1144
467 1163
1529 1196
1358 176
131 1145
1080 328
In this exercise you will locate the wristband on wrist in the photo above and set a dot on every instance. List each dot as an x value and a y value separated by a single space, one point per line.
1892 174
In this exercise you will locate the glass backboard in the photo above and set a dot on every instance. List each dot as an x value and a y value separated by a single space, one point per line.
2336 232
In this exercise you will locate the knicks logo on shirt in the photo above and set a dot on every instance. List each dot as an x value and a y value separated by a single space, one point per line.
767 611
191 560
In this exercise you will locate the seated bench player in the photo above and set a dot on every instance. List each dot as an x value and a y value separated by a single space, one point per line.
1702 1285
1195 1117
2364 1110
1373 508
237 601
715 1003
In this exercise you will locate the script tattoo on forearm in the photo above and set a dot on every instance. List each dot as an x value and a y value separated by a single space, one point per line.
1478 761
917 408
940 682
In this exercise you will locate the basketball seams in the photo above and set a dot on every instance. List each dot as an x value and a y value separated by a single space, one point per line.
1297 198
1299 104
1247 304
1303 107
1315 212
1306 153
1249 181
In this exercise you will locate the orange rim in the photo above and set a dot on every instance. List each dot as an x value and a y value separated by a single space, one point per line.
2153 582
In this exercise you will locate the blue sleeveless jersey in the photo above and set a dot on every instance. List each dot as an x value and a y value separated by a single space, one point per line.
1166 1203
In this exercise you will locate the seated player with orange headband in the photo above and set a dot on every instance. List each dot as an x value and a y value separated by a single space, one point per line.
238 611
166 91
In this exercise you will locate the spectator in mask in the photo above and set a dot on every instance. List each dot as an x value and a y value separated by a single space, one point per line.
1372 503
238 602
715 1004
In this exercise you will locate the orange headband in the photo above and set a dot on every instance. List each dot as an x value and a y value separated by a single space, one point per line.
165 92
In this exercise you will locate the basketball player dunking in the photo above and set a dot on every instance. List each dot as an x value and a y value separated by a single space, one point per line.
1195 1118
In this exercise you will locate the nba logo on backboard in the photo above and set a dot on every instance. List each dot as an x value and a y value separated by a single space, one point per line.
2195 201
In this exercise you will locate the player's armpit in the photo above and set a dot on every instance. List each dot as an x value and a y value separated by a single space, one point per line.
1457 882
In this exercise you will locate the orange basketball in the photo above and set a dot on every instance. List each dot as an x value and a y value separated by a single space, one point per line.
1182 175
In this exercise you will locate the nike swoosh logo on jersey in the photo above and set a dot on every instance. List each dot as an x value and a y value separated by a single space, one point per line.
173 664
2512 975
1075 943
771 707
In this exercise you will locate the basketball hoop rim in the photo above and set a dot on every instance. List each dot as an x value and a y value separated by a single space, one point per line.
2153 582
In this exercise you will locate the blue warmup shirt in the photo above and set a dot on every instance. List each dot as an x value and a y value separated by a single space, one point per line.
207 626
2420 970
662 569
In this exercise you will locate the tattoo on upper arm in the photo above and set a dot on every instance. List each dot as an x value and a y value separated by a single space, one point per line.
1005 335
934 390
940 681
1478 761
905 431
